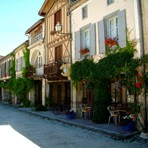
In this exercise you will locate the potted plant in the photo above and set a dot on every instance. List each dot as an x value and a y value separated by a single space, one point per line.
135 110
128 124
70 114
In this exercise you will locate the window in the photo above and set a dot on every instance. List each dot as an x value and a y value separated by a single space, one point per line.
110 2
57 17
87 94
36 38
84 12
86 38
116 92
85 44
112 27
39 60
20 63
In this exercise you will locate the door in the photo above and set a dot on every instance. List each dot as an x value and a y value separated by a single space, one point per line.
38 92
67 94
59 87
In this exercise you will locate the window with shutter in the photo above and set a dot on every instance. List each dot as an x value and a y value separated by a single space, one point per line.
85 38
112 26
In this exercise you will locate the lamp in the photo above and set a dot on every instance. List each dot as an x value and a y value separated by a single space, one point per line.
58 29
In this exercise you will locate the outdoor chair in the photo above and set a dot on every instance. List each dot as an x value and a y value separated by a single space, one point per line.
85 111
113 114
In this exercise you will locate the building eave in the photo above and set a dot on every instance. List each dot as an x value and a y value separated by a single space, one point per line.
34 26
45 7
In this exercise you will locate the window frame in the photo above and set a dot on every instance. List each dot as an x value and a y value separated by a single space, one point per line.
84 12
113 31
85 40
109 2
39 60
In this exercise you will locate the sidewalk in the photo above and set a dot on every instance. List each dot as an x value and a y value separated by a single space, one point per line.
115 131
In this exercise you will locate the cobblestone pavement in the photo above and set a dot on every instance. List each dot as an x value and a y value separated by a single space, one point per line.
50 134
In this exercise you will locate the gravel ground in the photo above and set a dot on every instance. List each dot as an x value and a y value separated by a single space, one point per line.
52 134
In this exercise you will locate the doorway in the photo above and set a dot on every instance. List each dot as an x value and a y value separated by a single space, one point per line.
38 92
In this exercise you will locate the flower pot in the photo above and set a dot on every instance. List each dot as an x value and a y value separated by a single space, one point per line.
129 127
71 116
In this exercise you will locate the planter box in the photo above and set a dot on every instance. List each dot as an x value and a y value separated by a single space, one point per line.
71 116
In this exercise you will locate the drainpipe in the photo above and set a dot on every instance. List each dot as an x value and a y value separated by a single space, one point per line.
43 80
71 86
139 9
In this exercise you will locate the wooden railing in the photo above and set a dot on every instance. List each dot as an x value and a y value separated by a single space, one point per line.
52 71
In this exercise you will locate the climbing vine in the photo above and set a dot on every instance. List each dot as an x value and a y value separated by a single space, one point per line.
119 60
23 84
20 86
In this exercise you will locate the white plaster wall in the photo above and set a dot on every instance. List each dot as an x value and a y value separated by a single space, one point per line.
33 55
34 49
97 9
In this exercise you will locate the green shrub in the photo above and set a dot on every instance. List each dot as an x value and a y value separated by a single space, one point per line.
26 103
40 108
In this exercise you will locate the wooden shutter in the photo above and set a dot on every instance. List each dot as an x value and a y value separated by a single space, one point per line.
77 44
122 28
57 17
92 39
101 36
58 53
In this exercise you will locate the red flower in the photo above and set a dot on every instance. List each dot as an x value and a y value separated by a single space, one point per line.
138 85
138 75
110 42
140 79
84 51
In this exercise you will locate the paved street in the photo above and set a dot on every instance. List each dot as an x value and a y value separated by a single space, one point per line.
19 129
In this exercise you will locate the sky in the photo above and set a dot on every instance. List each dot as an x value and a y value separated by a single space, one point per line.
16 17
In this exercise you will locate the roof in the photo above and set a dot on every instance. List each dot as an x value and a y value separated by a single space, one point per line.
46 7
34 25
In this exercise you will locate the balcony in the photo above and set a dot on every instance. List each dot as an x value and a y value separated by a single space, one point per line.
53 72
34 73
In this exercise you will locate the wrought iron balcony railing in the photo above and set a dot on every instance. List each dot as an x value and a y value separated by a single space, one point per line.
52 71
